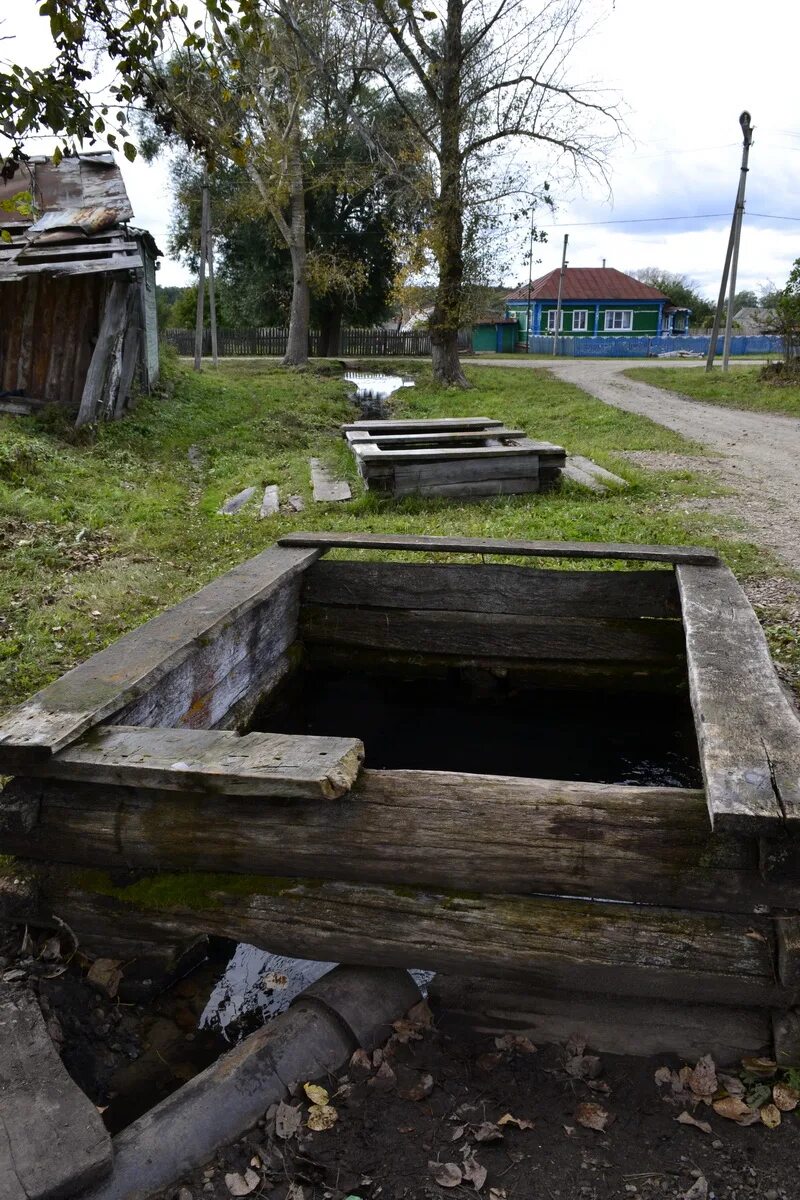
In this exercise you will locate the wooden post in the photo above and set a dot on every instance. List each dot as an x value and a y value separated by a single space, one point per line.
201 279
212 302
744 121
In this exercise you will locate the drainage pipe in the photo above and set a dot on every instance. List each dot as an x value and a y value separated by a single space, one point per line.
347 1008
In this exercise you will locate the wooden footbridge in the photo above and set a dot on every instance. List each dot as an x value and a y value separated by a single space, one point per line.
141 816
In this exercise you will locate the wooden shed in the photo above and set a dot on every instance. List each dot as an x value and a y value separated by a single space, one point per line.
77 289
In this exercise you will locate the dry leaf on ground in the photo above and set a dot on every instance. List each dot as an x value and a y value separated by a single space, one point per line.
520 1122
515 1042
420 1015
446 1174
287 1120
663 1076
770 1116
733 1108
786 1098
361 1061
698 1190
764 1067
383 1079
487 1132
295 1192
583 1066
593 1116
406 1031
575 1045
732 1084
420 1090
315 1093
686 1118
242 1185
487 1062
322 1117
703 1079
497 1194
474 1172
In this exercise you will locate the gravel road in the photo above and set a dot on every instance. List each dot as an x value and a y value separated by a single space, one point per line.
756 455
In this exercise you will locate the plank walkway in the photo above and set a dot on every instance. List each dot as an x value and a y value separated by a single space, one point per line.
324 487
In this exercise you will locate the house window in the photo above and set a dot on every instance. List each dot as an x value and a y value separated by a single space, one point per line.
579 320
619 318
551 320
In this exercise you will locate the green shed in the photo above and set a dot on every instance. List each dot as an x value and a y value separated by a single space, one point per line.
498 334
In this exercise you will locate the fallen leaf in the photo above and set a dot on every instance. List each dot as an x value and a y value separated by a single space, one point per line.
703 1079
515 1042
770 1116
474 1172
487 1062
420 1015
593 1116
686 1118
786 1098
733 1108
598 1085
487 1132
383 1079
764 1067
315 1093
663 1076
497 1194
106 975
419 1090
520 1122
446 1174
733 1085
575 1045
242 1185
322 1117
377 1057
583 1066
406 1031
295 1192
458 1133
51 950
698 1190
287 1120
569 1130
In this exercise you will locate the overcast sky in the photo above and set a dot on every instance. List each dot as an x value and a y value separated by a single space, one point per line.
683 72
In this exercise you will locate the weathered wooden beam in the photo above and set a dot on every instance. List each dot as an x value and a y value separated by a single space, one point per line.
126 672
621 949
422 425
465 633
371 452
110 335
492 588
324 486
394 441
200 760
435 828
53 1142
747 728
697 555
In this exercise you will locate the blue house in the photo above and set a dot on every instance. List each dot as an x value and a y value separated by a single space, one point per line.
595 301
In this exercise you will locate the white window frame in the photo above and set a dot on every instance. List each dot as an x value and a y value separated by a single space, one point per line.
551 320
584 323
626 324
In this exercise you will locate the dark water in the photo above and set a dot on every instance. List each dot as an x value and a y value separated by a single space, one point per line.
441 724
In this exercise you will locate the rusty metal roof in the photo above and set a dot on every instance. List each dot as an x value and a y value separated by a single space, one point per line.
78 221
587 283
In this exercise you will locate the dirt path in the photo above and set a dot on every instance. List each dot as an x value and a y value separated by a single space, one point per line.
757 455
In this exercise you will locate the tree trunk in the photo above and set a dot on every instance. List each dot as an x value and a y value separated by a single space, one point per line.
330 325
297 344
449 213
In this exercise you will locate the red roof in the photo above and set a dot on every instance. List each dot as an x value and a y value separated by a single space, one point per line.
587 283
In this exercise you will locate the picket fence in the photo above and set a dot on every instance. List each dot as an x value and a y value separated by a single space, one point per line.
650 347
360 343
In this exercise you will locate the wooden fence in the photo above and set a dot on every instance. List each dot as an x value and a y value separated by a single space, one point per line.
264 341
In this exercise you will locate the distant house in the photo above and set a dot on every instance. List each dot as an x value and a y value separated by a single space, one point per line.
752 322
77 289
595 301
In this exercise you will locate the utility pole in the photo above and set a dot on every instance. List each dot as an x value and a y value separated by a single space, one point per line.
731 254
560 290
212 302
201 278
530 282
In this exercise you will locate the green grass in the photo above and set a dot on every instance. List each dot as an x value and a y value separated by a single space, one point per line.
100 531
740 387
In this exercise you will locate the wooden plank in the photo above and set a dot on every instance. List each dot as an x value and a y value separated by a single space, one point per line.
258 764
620 949
747 729
492 588
596 471
130 667
468 488
324 487
114 263
571 471
422 425
441 829
94 388
235 503
394 441
463 470
52 1140
370 451
270 505
620 1025
697 555
465 633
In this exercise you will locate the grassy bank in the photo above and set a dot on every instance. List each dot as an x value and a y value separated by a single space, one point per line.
99 531
740 387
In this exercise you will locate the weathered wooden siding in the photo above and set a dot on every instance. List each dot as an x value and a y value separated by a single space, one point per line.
47 332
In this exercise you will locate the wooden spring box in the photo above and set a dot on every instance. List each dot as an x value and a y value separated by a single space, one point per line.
139 811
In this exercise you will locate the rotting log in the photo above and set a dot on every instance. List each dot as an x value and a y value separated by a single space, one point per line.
489 635
630 551
53 1143
612 1025
136 675
747 729
424 828
493 588
615 949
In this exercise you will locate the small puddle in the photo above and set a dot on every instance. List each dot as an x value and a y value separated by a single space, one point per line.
372 390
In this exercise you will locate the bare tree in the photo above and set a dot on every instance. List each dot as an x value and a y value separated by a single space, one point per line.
473 77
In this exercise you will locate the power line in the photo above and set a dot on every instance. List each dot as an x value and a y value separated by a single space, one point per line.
655 220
